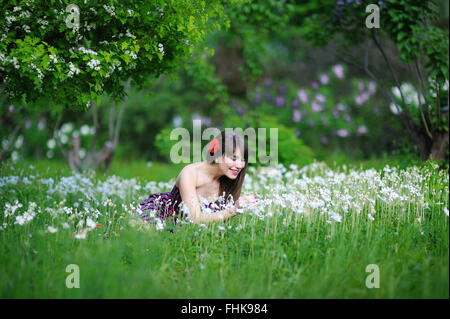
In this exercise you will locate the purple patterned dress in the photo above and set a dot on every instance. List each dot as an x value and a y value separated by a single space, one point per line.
167 206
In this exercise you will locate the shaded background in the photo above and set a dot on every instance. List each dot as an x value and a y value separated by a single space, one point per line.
265 71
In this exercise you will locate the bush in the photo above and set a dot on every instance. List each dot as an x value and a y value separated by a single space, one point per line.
291 149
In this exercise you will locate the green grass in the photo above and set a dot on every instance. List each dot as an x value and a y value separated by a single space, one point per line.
120 167
163 172
284 256
241 265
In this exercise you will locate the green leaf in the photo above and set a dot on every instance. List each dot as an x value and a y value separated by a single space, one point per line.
126 58
191 24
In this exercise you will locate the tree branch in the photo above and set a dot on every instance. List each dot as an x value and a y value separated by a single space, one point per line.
63 151
422 93
118 124
95 120
405 117
11 138
372 76
391 69
112 110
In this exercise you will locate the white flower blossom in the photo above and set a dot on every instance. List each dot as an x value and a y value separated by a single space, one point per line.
93 64
109 9
73 70
52 230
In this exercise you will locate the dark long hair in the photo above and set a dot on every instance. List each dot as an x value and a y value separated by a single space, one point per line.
229 141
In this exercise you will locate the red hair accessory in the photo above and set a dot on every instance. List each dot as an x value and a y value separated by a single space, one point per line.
214 145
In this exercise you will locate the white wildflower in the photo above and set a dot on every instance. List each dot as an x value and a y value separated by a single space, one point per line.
19 220
52 230
90 223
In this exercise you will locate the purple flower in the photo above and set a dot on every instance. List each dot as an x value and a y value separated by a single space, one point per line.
360 86
207 120
269 97
347 118
279 101
372 87
315 107
340 107
338 11
296 116
302 96
320 98
358 100
335 114
282 90
295 103
324 140
268 82
297 133
324 79
257 98
338 70
362 129
239 110
11 108
177 121
315 85
361 99
365 96
342 132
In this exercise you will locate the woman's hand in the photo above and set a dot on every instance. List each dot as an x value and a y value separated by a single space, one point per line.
229 213
245 201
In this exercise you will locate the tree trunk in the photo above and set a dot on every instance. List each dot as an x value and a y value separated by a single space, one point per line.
73 156
439 146
11 139
103 157
227 61
436 147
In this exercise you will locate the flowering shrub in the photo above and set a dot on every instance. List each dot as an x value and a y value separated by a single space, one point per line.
333 111
42 56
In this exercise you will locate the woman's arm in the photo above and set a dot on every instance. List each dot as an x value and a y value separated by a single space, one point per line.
222 216
189 197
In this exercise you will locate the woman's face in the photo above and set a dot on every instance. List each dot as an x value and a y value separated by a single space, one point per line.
231 166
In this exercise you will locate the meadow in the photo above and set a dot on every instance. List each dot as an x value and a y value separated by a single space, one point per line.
312 234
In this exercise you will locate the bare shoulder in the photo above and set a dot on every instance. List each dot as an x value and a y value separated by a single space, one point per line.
188 172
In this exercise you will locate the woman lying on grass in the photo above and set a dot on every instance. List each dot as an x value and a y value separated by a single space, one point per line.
201 188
